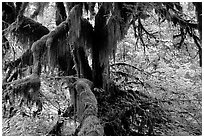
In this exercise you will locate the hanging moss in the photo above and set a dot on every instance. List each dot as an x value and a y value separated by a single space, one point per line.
48 41
86 34
27 30
111 26
80 38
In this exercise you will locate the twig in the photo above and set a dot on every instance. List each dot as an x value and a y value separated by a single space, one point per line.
175 100
126 64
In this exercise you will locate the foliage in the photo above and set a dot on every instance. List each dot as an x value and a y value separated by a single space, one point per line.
169 75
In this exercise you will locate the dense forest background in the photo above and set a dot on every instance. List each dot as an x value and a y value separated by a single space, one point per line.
144 62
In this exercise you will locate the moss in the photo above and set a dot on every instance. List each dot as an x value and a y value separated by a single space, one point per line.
27 30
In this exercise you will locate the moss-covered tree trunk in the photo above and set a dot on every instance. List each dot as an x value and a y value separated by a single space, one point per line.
111 23
100 51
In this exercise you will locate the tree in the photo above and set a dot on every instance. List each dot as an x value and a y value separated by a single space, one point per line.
66 45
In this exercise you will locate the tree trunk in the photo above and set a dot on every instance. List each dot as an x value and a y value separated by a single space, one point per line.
97 69
60 13
100 39
107 32
198 6
82 65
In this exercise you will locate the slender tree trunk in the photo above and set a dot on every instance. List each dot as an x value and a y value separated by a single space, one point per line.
60 13
198 6
84 68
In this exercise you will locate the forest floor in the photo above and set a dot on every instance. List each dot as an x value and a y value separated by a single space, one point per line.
24 123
